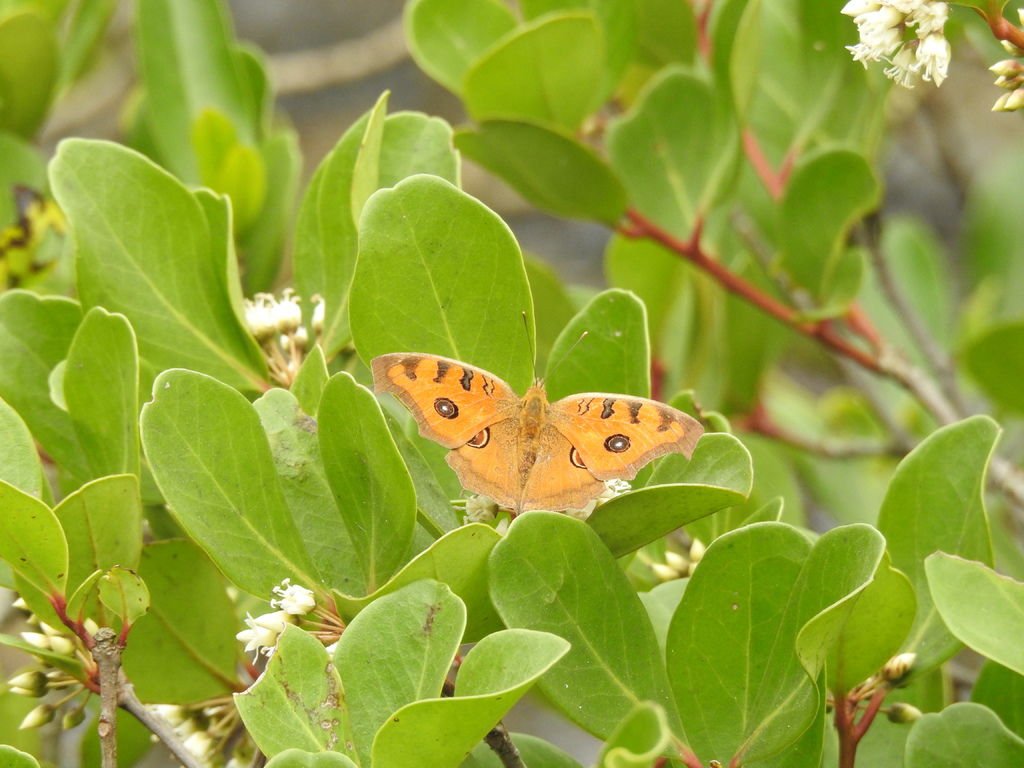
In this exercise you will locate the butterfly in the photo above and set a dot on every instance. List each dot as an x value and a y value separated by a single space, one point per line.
524 452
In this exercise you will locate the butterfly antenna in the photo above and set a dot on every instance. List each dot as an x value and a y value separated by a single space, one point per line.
568 352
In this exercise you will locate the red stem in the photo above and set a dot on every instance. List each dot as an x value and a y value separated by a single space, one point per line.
870 711
844 727
691 251
774 181
1001 28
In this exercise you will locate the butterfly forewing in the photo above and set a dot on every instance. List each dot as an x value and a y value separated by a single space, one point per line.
616 435
451 401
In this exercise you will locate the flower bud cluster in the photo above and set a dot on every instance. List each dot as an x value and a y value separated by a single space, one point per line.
277 325
908 34
1009 75
677 566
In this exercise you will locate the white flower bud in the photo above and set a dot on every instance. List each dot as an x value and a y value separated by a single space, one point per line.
91 626
31 683
172 713
287 313
37 640
293 599
857 7
62 645
898 667
199 744
901 712
318 315
676 562
480 509
20 604
664 572
39 716
72 719
300 337
259 317
697 550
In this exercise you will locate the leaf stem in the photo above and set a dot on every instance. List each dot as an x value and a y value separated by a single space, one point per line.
1001 28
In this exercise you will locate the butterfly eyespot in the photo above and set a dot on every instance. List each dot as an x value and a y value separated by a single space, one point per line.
483 437
446 408
575 459
617 443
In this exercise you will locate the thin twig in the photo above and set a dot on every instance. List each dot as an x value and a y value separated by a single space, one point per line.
501 744
157 725
760 422
106 651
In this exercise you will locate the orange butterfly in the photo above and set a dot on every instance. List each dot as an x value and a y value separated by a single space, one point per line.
527 453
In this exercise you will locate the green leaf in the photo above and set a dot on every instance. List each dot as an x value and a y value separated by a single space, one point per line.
28 71
614 356
676 150
1001 690
296 758
102 522
459 561
366 169
422 285
85 27
666 32
183 650
35 334
982 608
412 635
826 195
309 383
70 664
958 735
935 502
549 71
325 235
32 541
101 390
376 500
874 629
124 594
298 702
550 169
552 307
15 758
742 590
295 447
552 573
169 283
19 461
212 463
189 63
230 167
995 360
639 740
446 37
492 678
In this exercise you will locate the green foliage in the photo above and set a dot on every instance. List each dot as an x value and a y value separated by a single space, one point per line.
179 461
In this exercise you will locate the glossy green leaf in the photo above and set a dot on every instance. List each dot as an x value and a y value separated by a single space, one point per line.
296 758
298 702
101 391
189 63
70 664
311 379
124 594
492 678
376 500
83 600
412 635
169 283
459 561
230 167
828 192
641 738
552 306
995 360
550 169
719 459
982 608
261 245
552 573
957 736
736 615
675 150
549 71
873 630
19 461
213 464
422 285
102 522
295 448
325 236
32 541
15 758
745 52
617 20
661 603
85 27
45 327
614 356
446 37
28 70
935 503
666 32
183 650
1001 690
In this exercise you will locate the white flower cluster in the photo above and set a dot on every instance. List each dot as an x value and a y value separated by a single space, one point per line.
263 631
277 326
884 27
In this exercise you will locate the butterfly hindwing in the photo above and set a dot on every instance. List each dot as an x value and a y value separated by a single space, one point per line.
616 435
451 401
